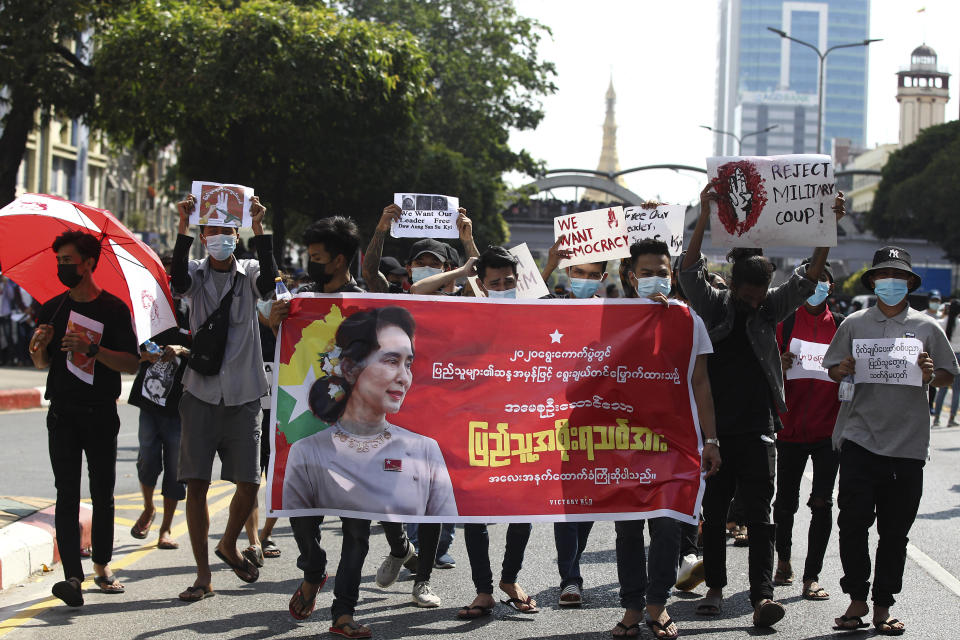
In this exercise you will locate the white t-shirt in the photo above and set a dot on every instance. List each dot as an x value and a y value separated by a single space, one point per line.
395 472
701 337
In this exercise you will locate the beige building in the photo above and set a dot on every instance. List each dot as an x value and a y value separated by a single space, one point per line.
922 92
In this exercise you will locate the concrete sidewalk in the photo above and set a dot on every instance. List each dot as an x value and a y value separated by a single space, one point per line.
23 388
28 541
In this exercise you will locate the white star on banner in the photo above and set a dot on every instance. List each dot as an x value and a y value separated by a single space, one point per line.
301 394
555 336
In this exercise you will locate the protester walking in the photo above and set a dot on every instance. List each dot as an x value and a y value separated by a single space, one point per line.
949 324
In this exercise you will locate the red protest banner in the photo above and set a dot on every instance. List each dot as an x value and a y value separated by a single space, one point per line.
472 410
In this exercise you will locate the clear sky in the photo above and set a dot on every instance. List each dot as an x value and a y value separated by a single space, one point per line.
663 57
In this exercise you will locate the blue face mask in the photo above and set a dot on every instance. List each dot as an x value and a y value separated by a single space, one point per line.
221 245
583 287
647 287
891 291
509 293
419 273
823 290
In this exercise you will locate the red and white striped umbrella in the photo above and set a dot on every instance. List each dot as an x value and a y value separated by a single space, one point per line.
128 268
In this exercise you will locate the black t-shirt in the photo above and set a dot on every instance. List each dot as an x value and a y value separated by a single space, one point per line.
63 385
158 387
741 395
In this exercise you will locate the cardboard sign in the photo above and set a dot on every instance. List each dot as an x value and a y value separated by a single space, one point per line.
592 236
661 223
808 360
530 283
425 215
79 364
773 201
221 205
888 361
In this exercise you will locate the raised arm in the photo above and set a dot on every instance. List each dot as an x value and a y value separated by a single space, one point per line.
707 196
370 268
554 256
180 277
263 244
465 227
434 283
819 260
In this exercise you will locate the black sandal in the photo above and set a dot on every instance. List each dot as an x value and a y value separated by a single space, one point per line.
245 567
656 624
69 591
108 584
842 627
890 630
464 613
627 630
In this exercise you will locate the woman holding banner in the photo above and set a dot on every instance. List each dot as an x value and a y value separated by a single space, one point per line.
362 465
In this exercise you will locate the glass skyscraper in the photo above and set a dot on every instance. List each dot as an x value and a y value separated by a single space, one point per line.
763 79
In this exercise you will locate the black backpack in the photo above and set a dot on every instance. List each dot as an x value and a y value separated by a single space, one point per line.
788 327
210 339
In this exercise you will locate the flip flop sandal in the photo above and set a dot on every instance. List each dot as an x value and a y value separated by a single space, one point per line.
627 630
69 591
108 584
254 554
246 570
815 594
303 603
270 549
168 545
886 628
139 532
782 578
844 627
514 603
709 606
464 613
350 629
197 593
768 613
656 625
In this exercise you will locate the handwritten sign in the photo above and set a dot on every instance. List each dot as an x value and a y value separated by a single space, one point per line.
530 283
80 364
221 205
776 200
662 223
888 361
592 236
425 215
808 360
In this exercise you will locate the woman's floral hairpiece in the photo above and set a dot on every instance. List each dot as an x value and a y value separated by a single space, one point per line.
329 367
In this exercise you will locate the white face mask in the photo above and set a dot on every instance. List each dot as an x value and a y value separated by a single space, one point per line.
221 245
647 287
509 293
419 273
264 306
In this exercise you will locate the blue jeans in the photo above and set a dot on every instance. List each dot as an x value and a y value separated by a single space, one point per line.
159 437
478 550
644 581
571 540
447 533
954 400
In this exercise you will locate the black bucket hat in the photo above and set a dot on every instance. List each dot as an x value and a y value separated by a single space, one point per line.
891 258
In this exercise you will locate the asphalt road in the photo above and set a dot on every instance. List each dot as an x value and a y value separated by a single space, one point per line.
150 609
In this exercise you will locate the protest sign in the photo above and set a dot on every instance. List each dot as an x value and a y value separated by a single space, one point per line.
530 284
592 236
578 412
80 364
425 215
808 360
664 222
221 205
775 200
888 361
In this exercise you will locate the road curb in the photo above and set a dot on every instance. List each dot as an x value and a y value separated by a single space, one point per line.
27 545
32 397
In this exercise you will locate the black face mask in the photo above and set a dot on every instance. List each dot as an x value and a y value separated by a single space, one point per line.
67 274
318 273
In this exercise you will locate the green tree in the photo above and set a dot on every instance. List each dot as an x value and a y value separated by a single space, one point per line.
919 191
487 78
44 45
313 109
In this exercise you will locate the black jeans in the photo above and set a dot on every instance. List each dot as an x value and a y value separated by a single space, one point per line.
477 539
646 581
749 468
885 489
791 462
74 432
428 535
570 539
313 560
689 545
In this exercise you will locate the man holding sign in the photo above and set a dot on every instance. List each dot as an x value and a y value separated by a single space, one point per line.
893 353
807 426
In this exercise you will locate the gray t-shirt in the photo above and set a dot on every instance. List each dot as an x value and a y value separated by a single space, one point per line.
889 419
220 280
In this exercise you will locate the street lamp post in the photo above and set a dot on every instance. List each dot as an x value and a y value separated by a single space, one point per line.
740 139
821 67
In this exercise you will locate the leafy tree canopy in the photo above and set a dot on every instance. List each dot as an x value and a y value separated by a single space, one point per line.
919 191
